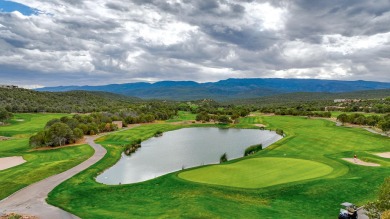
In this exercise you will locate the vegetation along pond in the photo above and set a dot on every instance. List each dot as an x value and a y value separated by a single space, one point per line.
184 148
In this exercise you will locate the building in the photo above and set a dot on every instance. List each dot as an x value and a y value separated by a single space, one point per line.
346 100
8 86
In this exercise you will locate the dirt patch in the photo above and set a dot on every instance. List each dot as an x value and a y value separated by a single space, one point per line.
14 215
3 138
360 162
385 154
8 162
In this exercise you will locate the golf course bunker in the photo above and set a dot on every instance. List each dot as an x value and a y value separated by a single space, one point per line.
360 162
258 172
182 149
8 162
384 155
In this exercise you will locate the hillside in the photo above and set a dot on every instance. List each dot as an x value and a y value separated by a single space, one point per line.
23 100
227 89
292 98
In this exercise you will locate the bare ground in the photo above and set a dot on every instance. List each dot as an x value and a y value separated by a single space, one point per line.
8 162
385 154
360 162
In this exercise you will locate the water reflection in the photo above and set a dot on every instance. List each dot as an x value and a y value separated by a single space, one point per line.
184 148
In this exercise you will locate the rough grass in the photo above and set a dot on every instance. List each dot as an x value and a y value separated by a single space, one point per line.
169 196
258 172
40 164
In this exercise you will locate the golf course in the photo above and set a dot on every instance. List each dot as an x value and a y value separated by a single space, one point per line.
39 164
301 176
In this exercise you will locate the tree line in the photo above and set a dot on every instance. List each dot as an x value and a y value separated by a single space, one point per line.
68 130
24 100
382 122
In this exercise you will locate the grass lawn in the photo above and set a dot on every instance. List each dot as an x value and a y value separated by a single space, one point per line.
25 124
314 143
40 164
258 172
183 116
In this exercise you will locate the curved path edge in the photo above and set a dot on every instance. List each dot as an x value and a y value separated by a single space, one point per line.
31 200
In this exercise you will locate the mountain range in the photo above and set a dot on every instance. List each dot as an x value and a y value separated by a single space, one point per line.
228 89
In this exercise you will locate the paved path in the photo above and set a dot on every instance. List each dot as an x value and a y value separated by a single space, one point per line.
31 199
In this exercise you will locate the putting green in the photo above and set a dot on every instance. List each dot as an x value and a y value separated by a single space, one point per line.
258 172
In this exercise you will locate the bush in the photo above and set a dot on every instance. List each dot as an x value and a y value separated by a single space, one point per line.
158 133
223 158
132 147
279 132
253 149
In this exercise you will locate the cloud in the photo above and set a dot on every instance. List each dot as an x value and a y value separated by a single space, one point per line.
98 42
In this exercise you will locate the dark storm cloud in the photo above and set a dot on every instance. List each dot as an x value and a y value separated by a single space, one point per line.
116 41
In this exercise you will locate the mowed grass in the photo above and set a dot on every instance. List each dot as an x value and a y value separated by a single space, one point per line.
311 141
40 164
26 124
183 116
258 172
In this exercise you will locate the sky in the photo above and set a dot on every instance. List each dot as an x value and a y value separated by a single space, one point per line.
95 42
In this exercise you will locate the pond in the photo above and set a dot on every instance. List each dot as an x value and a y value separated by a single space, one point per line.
183 148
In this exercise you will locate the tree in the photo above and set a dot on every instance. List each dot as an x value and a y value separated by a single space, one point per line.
343 118
384 125
4 114
224 119
52 122
376 208
223 158
78 134
38 140
59 133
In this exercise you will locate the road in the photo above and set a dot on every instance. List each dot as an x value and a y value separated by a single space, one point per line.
31 199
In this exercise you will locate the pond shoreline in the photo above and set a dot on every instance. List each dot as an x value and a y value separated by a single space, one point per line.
181 149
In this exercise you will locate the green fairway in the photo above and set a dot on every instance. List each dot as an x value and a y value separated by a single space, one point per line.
313 181
258 172
40 164
26 124
183 116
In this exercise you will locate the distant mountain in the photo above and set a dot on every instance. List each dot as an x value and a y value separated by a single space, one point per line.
229 89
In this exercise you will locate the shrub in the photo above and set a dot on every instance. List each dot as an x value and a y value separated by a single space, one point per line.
279 132
158 133
253 149
132 147
223 158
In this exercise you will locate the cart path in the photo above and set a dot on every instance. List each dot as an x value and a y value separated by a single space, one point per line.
31 200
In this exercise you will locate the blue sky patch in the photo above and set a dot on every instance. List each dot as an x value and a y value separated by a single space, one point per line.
8 6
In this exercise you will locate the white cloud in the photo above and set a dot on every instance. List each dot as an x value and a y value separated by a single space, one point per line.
116 41
348 45
265 16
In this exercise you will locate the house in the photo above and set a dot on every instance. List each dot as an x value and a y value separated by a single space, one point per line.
346 100
119 124
8 86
